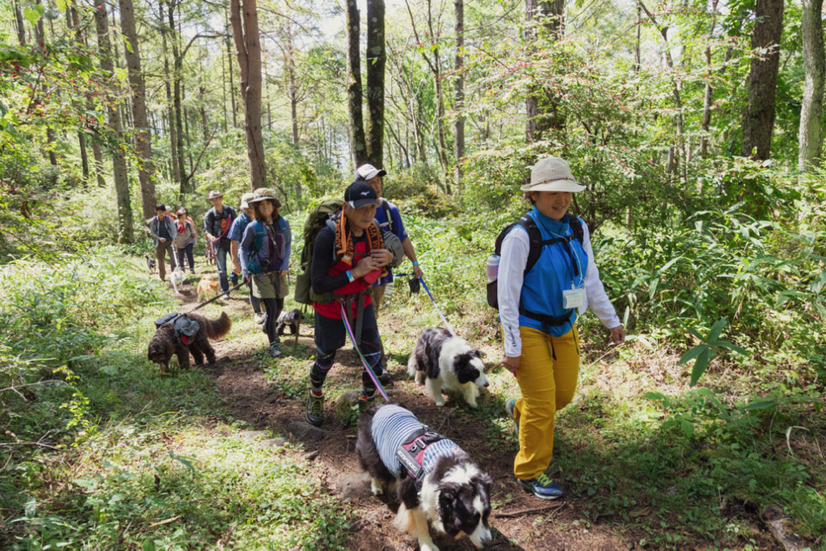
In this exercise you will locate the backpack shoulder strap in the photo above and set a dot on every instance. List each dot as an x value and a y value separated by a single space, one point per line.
259 235
385 205
534 237
576 227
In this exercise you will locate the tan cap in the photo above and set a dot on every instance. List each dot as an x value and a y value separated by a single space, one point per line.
214 195
245 199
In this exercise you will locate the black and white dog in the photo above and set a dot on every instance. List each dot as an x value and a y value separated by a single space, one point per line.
290 319
432 478
441 359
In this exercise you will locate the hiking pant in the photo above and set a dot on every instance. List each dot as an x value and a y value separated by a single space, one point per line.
221 252
330 335
184 255
160 252
255 302
547 377
274 307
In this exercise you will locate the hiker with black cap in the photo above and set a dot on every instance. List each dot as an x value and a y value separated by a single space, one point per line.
163 230
349 256
264 252
217 222
538 307
389 218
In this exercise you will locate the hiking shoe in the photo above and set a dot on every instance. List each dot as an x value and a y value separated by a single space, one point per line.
542 487
260 318
275 350
315 409
510 408
384 377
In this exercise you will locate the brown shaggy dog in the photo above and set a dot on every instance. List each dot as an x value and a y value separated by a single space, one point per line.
164 343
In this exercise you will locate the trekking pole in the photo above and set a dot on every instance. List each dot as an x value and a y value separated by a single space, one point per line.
444 319
363 359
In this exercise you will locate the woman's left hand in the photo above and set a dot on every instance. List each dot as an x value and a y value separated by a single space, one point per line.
618 334
284 272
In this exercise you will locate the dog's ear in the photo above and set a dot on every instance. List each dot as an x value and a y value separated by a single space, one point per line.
447 501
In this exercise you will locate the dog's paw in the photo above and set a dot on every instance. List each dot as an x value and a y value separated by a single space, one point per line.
375 487
440 402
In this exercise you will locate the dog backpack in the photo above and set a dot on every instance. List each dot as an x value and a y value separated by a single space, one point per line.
536 245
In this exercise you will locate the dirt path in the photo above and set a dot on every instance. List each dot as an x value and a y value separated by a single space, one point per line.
518 521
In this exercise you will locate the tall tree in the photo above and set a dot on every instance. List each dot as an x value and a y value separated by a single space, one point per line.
121 177
810 136
248 51
459 90
759 123
177 75
376 58
143 136
354 90
540 106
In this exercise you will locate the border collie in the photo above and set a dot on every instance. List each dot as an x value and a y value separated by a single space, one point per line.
432 478
440 359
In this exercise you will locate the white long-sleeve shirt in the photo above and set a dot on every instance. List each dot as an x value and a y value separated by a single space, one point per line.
515 248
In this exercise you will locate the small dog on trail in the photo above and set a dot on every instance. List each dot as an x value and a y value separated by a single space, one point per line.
442 360
180 337
430 475
208 287
177 279
292 319
150 264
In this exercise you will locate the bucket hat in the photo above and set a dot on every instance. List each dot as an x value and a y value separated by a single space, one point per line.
263 194
214 194
552 174
245 199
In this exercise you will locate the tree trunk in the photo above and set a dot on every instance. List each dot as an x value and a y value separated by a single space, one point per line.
177 73
170 115
121 177
709 91
143 134
354 91
231 78
459 91
21 30
376 59
810 135
759 123
292 89
247 43
541 108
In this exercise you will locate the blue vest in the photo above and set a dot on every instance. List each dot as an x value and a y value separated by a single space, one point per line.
555 271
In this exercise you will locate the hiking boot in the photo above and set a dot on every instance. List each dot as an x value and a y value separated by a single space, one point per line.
384 377
315 409
275 350
510 409
542 487
260 318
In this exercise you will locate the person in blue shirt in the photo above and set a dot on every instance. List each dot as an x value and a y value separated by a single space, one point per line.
538 309
264 251
217 222
389 218
236 232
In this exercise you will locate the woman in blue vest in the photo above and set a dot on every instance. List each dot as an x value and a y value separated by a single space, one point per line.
538 311
264 251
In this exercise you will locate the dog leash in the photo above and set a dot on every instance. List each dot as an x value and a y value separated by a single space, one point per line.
444 319
213 299
363 359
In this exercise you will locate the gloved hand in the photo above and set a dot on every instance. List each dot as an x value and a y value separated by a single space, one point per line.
414 284
234 278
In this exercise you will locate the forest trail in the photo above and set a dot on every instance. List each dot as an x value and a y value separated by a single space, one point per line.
518 521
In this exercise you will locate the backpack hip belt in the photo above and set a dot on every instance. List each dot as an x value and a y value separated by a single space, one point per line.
552 321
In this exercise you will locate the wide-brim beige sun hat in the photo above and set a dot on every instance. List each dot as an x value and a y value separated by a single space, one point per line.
552 174
263 194
245 199
214 194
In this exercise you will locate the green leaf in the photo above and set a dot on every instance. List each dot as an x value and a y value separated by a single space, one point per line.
688 428
32 15
732 347
701 364
185 461
715 332
61 5
652 287
758 404
692 354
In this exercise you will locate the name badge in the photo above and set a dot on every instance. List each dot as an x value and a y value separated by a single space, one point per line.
573 298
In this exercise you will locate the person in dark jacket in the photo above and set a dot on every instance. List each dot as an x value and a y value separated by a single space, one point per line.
264 252
163 230
217 222
347 261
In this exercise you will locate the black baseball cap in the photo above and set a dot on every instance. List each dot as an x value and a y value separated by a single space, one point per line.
359 194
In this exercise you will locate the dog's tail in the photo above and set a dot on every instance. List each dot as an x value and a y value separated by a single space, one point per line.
412 365
218 328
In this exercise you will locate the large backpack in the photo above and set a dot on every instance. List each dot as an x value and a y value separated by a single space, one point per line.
316 220
536 245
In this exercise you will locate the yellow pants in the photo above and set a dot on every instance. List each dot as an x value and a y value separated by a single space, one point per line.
547 376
